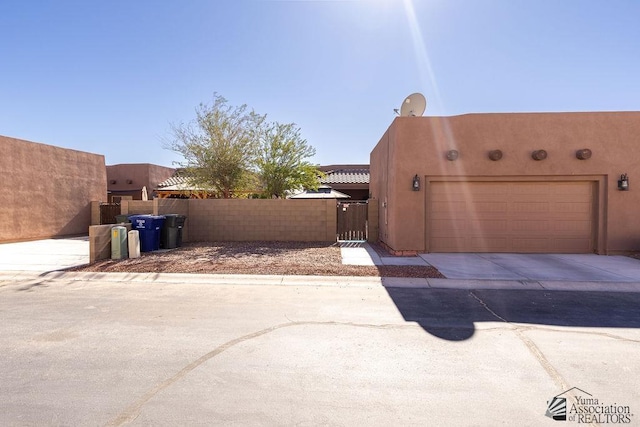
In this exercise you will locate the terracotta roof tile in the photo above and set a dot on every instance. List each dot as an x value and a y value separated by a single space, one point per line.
346 176
174 180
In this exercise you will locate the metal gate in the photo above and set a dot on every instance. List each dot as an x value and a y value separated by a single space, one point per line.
108 212
352 220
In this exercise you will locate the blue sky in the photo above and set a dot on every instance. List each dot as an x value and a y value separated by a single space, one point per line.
111 77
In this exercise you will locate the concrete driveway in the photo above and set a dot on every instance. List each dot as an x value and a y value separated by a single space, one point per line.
41 256
548 267
511 267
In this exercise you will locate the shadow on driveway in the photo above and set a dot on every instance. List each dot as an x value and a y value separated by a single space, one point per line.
451 314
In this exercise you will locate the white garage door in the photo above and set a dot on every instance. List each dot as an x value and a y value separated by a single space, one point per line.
520 217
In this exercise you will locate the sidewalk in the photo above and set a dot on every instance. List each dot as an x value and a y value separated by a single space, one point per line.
31 279
31 263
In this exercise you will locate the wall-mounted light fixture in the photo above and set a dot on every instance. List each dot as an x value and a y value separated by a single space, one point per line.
113 181
415 185
623 182
452 155
129 181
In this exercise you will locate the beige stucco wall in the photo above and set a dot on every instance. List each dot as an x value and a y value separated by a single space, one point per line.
418 145
47 190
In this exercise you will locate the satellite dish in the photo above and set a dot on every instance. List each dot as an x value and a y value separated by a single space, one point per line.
413 105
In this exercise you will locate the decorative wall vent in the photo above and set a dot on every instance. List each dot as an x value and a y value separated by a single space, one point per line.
539 155
583 154
452 155
495 155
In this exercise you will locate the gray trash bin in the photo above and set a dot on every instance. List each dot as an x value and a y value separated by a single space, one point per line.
171 233
122 218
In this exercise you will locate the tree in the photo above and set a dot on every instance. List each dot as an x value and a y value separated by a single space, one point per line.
220 147
282 161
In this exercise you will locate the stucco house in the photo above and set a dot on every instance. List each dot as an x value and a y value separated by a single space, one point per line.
323 192
127 179
352 180
514 182
179 187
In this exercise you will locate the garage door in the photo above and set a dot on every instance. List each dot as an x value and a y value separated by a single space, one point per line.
521 217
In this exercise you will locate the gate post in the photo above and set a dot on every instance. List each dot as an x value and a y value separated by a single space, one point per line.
332 220
95 212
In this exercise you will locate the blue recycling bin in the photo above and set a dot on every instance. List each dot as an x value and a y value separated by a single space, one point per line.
149 227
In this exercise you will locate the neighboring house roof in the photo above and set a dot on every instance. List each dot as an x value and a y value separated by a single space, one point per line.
323 192
178 183
174 180
334 175
345 174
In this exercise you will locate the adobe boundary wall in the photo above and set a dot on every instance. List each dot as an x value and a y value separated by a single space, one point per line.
47 190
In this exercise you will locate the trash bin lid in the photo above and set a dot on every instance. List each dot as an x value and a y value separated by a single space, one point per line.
148 222
174 220
170 220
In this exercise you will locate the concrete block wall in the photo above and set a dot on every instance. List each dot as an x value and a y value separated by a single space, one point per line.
232 220
141 207
251 220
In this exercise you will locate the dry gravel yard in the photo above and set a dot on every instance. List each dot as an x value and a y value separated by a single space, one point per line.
279 258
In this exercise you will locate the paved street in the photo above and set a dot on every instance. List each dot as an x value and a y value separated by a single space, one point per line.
80 352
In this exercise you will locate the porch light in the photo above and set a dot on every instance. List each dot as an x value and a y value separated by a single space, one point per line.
416 183
623 182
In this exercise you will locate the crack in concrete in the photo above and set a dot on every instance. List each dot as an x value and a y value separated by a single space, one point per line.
531 346
601 334
531 327
133 411
541 328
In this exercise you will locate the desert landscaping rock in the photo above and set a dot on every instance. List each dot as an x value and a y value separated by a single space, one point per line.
280 258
